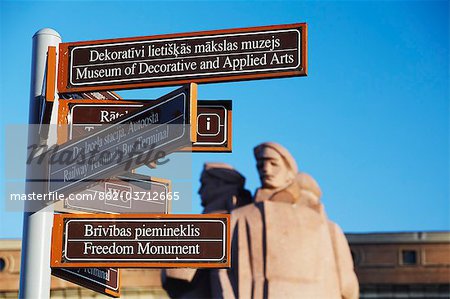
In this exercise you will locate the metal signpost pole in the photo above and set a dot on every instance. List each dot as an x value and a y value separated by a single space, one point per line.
35 272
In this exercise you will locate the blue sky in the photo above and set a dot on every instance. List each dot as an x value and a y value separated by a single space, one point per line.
370 121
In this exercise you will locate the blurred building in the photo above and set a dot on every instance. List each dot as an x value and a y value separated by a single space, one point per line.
388 265
402 265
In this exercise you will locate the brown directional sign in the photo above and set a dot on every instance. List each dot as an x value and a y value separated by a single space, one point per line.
77 118
141 240
129 193
133 140
201 57
102 280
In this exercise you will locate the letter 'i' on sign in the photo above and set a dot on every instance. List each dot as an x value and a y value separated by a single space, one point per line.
174 59
141 241
214 126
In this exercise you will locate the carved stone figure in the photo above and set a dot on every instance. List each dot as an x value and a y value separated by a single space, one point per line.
222 190
283 245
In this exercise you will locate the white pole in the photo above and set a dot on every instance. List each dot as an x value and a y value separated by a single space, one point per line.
35 272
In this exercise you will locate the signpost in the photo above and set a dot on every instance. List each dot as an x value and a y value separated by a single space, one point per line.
110 138
36 238
174 59
133 140
77 118
102 280
141 240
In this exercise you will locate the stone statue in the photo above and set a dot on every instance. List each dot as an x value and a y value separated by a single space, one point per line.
222 190
283 245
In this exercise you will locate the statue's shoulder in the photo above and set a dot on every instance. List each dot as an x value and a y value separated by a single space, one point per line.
243 209
246 210
334 228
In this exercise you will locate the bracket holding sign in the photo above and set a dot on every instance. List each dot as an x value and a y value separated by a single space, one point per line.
51 75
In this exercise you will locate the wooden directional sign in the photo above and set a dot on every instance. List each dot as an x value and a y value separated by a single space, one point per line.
201 57
135 139
80 117
129 193
102 280
141 240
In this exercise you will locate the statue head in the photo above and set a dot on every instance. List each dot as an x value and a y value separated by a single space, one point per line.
222 187
277 168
